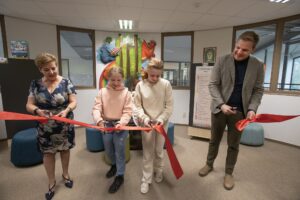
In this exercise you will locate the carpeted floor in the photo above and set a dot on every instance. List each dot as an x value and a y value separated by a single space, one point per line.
269 172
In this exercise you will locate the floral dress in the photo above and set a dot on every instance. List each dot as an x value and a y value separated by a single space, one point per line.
54 136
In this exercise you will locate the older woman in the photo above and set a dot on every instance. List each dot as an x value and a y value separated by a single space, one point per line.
53 95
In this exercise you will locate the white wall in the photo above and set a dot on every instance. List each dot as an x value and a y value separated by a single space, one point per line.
41 37
220 38
287 131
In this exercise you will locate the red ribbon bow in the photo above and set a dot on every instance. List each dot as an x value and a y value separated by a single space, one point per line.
263 118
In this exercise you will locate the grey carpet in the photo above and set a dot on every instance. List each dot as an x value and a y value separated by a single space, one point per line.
269 172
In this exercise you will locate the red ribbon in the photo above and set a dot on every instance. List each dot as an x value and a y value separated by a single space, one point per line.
177 170
263 118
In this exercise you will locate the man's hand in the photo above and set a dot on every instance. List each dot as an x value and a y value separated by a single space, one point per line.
250 115
228 110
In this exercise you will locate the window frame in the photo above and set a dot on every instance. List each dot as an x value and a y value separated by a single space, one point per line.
186 33
73 29
277 51
3 32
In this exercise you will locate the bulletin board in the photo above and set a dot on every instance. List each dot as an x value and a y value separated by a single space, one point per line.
200 114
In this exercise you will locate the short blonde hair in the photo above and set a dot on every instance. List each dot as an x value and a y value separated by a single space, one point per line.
43 59
115 69
155 63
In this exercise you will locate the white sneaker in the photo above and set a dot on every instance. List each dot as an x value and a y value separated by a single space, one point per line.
144 188
158 177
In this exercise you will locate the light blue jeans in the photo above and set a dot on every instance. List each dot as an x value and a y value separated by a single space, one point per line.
114 144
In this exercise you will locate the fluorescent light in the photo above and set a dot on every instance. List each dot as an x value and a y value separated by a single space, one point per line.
125 24
279 1
130 24
121 24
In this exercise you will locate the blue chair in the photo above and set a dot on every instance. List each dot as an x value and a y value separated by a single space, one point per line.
170 133
24 149
94 140
253 135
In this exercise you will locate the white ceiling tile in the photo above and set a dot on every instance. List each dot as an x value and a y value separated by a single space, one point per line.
184 17
22 7
124 13
230 7
59 9
93 11
196 27
236 21
201 6
162 4
155 15
150 26
70 21
128 3
211 20
258 10
173 27
100 24
39 18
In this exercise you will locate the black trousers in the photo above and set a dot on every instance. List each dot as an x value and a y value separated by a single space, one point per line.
218 122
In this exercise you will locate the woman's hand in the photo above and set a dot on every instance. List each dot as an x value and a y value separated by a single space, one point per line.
44 113
63 113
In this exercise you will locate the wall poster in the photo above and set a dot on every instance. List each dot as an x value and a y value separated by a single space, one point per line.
19 49
202 98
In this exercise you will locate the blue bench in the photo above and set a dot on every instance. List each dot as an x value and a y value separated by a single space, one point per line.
170 132
94 140
253 135
24 149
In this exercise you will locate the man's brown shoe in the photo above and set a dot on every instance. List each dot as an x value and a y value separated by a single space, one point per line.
228 182
205 170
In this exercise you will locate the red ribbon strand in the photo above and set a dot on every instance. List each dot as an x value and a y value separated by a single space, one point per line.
177 170
263 118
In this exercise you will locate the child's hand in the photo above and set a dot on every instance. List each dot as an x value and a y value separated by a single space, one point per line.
118 126
100 124
158 122
147 122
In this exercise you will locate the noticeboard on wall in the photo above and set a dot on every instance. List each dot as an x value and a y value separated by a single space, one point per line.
200 114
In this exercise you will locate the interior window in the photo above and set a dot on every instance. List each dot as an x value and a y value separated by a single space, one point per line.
77 57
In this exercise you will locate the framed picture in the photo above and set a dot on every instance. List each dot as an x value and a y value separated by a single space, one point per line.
19 49
209 54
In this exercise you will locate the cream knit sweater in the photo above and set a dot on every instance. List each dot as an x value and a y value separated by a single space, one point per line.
153 101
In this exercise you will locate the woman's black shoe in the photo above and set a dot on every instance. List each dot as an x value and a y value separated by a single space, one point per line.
50 192
112 171
68 182
116 184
